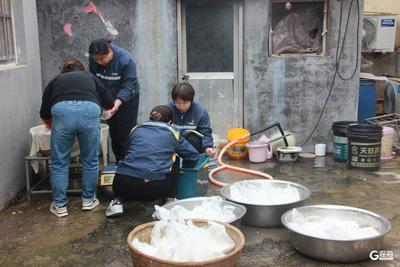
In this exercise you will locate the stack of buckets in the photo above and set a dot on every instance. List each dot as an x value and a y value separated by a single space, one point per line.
238 150
340 149
358 144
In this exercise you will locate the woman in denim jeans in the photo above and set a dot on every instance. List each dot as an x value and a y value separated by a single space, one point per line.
71 107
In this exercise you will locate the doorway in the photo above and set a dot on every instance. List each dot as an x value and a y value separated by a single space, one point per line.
210 55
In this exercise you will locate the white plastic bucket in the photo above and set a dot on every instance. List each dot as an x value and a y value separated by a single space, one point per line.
320 150
258 152
387 143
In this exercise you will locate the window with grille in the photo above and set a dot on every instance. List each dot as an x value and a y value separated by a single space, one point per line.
7 51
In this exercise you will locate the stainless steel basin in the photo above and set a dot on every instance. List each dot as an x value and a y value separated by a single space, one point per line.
337 250
268 215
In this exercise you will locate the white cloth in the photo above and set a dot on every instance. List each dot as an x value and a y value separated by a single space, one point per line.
332 226
184 241
211 208
41 141
263 192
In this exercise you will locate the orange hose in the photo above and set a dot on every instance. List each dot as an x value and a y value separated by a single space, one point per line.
232 168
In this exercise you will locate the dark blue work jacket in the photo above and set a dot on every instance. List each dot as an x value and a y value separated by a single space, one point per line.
151 151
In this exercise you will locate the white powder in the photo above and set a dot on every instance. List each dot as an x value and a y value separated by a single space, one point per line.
263 193
330 227
183 241
210 208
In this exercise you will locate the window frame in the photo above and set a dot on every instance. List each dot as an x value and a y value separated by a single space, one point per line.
324 30
7 43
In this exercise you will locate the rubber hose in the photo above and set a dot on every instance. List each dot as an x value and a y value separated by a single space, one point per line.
224 166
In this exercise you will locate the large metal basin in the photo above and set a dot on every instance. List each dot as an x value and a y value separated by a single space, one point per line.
338 250
268 215
190 203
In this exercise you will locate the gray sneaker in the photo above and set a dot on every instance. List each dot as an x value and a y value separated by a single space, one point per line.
90 204
58 211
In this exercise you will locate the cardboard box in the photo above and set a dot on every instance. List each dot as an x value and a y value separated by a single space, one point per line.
107 175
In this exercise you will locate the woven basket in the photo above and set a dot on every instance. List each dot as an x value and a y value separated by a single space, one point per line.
143 233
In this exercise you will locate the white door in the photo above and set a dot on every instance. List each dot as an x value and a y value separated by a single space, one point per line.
210 58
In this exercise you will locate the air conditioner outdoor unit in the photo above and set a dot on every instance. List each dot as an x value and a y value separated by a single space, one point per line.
379 32
392 97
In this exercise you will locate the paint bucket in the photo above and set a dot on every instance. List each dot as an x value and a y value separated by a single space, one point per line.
387 143
340 151
364 146
238 150
257 151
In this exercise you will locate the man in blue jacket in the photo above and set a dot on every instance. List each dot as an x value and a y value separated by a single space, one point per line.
115 67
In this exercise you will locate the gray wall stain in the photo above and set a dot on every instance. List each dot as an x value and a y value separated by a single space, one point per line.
278 90
155 42
56 46
291 90
146 28
301 81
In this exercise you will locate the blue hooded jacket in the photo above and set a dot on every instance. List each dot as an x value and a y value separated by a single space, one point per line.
195 118
119 75
151 151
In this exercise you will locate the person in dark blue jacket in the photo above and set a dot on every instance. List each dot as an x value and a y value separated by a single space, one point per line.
149 171
115 67
191 118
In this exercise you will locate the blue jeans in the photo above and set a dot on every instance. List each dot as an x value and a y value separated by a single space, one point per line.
72 119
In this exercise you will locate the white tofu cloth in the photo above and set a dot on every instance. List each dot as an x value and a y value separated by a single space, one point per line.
41 141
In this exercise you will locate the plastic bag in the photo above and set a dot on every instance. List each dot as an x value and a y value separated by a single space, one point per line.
263 193
183 241
330 227
210 208
298 32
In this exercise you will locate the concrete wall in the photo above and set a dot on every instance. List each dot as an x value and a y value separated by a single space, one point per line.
387 64
146 28
155 44
20 87
292 90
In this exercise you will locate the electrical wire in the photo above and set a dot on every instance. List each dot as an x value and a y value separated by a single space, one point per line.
357 47
337 60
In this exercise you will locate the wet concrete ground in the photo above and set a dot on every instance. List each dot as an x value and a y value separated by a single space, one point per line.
32 236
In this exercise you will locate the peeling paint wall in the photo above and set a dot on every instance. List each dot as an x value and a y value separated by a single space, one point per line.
145 28
56 45
20 87
292 90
